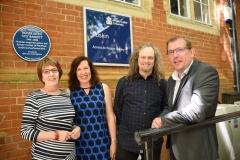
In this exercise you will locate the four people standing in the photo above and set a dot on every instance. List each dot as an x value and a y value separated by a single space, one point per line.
140 97
140 103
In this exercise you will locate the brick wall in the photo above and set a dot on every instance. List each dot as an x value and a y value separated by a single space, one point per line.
64 24
238 24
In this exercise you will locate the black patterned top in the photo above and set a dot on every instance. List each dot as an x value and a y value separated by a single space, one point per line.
94 142
135 106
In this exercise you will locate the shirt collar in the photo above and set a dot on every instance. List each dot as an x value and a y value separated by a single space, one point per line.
175 74
138 75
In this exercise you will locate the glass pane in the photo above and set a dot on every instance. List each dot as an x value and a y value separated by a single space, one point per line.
136 2
197 0
197 11
131 1
174 6
205 14
183 8
205 2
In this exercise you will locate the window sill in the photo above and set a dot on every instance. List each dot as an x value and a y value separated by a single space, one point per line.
186 23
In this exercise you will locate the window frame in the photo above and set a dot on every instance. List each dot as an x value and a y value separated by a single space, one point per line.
201 7
124 1
175 20
188 10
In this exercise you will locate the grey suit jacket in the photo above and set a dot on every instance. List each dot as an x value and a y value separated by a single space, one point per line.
196 100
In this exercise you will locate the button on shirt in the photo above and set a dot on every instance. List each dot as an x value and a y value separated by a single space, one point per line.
136 104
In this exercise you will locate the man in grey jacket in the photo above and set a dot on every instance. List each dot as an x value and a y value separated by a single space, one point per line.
192 92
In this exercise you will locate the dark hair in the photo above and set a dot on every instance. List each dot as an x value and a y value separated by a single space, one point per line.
134 68
73 82
48 62
173 39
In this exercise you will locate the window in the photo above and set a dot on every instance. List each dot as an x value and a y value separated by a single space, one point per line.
179 7
201 11
134 2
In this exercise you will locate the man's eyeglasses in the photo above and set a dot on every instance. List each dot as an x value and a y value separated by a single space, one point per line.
178 50
47 71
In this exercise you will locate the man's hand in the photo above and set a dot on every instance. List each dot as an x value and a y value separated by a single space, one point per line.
157 123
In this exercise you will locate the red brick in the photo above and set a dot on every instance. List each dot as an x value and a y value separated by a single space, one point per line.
7 9
10 116
4 108
19 115
6 101
8 154
41 2
70 18
19 24
24 144
27 157
31 19
16 93
2 154
17 153
31 1
6 124
9 16
51 21
21 100
51 9
5 94
7 22
18 11
8 138
30 12
16 108
70 12
17 138
8 64
61 5
8 147
52 4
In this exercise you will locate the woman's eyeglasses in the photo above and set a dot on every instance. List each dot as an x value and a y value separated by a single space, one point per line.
47 71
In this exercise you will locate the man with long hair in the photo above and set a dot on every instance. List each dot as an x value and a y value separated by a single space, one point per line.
140 97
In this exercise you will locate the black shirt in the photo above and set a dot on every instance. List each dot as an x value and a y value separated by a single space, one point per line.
136 104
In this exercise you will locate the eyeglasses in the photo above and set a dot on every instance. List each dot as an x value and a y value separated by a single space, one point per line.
178 50
47 71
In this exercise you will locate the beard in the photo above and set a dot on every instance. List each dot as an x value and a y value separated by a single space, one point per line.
146 70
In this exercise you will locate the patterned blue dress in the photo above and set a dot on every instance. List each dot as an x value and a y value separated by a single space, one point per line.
94 142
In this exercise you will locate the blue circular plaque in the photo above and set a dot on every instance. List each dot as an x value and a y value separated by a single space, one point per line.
31 43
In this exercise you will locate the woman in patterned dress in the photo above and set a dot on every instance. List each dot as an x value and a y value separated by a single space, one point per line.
48 117
92 102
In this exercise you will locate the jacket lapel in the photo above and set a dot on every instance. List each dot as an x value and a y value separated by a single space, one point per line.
183 82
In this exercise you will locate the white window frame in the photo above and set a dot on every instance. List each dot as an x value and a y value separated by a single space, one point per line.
188 9
136 4
201 8
190 23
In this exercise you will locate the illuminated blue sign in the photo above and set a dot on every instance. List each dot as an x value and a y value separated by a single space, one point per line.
107 37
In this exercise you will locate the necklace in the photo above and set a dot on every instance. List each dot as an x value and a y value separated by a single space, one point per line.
86 88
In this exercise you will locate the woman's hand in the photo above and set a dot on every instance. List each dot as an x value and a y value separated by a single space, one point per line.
64 135
113 149
76 132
